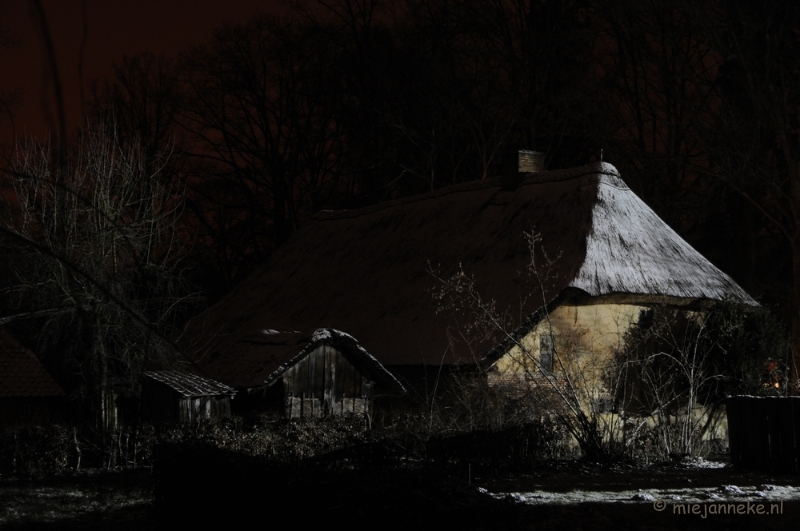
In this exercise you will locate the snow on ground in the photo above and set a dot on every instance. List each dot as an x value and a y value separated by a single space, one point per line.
692 480
724 493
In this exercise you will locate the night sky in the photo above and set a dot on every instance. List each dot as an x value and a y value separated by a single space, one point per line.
111 30
279 118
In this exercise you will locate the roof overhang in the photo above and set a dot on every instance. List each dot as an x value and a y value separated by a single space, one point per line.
577 297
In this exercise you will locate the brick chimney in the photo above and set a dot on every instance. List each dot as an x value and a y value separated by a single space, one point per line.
530 161
518 164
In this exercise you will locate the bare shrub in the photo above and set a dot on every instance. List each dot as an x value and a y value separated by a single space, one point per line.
676 367
566 389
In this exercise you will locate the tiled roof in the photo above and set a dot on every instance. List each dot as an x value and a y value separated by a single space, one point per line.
22 373
190 385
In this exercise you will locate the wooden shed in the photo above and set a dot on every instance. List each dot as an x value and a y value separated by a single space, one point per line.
170 397
296 374
29 396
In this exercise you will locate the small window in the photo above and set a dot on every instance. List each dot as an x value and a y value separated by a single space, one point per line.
546 352
604 404
645 319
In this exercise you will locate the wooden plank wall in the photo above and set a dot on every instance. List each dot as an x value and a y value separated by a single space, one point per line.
163 405
764 432
325 383
197 408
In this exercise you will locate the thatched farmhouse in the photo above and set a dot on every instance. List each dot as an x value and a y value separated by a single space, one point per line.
602 257
29 396
295 374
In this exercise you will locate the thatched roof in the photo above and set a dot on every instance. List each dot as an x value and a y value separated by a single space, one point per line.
22 373
260 358
364 271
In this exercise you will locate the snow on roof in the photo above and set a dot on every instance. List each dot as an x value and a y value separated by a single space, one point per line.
190 385
22 373
364 271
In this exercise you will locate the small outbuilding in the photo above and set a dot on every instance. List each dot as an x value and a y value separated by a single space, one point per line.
170 397
296 374
29 396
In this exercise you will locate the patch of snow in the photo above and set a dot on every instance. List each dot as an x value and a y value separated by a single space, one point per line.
699 462
731 490
515 497
654 495
605 167
321 334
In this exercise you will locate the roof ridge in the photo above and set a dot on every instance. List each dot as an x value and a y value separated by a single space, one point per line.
594 168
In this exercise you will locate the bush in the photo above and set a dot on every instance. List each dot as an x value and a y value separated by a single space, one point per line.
278 440
36 451
52 450
512 445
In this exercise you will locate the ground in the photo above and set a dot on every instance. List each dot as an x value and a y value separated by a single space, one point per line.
661 496
556 495
92 499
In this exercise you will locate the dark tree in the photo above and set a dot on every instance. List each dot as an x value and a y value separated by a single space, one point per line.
753 138
260 113
96 259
